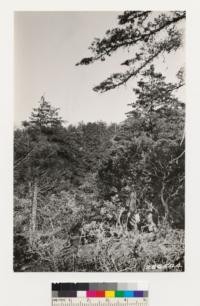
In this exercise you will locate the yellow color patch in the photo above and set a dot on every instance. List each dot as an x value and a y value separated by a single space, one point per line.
109 294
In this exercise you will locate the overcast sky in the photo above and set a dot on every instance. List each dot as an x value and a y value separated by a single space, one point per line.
47 47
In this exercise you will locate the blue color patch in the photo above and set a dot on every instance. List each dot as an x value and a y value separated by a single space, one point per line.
128 293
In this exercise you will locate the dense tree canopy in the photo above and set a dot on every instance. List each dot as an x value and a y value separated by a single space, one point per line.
148 149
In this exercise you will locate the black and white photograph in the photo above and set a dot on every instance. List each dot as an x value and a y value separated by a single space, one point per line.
99 141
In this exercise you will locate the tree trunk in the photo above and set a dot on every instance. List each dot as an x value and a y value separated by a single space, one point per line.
164 203
30 191
132 202
33 213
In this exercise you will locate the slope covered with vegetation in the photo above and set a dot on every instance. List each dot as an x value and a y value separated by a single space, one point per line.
72 184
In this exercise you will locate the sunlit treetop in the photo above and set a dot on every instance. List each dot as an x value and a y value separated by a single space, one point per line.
45 116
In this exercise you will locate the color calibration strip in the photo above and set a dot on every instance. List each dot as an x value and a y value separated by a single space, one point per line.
100 294
100 290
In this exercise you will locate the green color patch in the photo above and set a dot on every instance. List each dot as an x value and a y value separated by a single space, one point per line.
119 293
